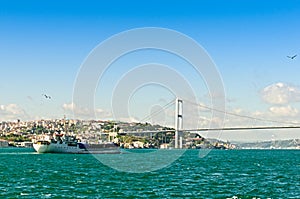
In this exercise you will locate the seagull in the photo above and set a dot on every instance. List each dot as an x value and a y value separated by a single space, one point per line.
292 57
46 96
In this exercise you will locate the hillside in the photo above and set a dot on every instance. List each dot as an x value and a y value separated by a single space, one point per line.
274 144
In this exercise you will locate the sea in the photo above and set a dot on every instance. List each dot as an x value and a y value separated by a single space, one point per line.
213 174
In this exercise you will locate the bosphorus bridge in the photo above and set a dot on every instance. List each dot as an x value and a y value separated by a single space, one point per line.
179 122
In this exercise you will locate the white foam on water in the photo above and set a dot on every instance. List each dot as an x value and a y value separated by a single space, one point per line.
233 197
47 195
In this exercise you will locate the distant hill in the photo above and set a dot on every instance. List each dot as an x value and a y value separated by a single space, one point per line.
274 144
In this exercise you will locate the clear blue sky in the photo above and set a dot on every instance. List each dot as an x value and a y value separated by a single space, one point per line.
43 43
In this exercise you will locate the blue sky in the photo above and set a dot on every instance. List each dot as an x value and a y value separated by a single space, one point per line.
44 43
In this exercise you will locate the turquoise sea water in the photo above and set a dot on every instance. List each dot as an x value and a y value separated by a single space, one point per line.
220 174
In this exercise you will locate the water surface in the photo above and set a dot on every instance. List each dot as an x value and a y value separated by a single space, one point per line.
220 174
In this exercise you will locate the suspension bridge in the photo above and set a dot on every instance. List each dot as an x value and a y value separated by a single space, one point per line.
178 127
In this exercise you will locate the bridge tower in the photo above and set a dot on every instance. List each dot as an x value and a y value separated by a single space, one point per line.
178 122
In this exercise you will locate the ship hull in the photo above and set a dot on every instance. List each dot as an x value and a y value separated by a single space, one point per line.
55 148
81 149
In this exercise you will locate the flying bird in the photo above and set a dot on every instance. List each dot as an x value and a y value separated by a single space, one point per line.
47 96
292 57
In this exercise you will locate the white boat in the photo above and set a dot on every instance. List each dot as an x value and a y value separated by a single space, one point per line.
61 143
